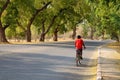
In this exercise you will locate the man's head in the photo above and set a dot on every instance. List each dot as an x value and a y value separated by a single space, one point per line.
78 36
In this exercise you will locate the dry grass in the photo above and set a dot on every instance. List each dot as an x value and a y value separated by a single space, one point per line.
4 43
37 41
115 45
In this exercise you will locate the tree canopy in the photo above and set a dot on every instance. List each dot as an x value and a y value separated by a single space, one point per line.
25 19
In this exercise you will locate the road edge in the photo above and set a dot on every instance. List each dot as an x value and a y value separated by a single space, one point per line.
99 71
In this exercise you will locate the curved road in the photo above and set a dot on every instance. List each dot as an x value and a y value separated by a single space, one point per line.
47 61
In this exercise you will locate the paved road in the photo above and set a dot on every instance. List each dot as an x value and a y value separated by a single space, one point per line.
51 61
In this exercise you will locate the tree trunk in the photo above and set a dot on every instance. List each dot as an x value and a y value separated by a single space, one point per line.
55 35
103 35
44 32
92 33
115 36
117 39
2 29
42 37
28 34
2 35
74 33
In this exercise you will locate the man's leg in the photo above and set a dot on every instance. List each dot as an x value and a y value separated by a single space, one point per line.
76 59
81 54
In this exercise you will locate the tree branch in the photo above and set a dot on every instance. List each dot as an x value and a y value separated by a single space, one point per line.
52 21
36 13
44 7
6 26
4 7
20 25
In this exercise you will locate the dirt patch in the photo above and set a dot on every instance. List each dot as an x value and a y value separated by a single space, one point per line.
114 45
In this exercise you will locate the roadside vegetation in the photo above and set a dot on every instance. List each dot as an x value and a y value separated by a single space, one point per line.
43 20
115 45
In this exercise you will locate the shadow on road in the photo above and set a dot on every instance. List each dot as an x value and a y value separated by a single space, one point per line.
33 66
68 44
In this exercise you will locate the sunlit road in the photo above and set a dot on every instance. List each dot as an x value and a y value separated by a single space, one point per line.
51 61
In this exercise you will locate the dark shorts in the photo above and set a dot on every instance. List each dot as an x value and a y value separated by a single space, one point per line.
79 51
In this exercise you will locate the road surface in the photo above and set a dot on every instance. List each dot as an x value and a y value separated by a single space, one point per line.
47 61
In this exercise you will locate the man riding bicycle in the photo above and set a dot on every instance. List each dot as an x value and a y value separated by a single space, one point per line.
79 45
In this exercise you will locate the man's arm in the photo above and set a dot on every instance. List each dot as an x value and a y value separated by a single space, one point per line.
84 45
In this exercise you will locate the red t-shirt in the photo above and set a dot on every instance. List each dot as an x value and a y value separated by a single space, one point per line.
78 43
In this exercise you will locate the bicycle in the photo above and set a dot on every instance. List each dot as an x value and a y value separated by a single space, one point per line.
78 60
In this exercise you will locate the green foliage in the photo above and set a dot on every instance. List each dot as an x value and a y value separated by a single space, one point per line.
10 33
102 15
26 9
10 16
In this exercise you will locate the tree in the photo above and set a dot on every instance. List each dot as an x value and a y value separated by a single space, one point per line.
58 28
34 11
3 26
109 18
55 10
68 19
